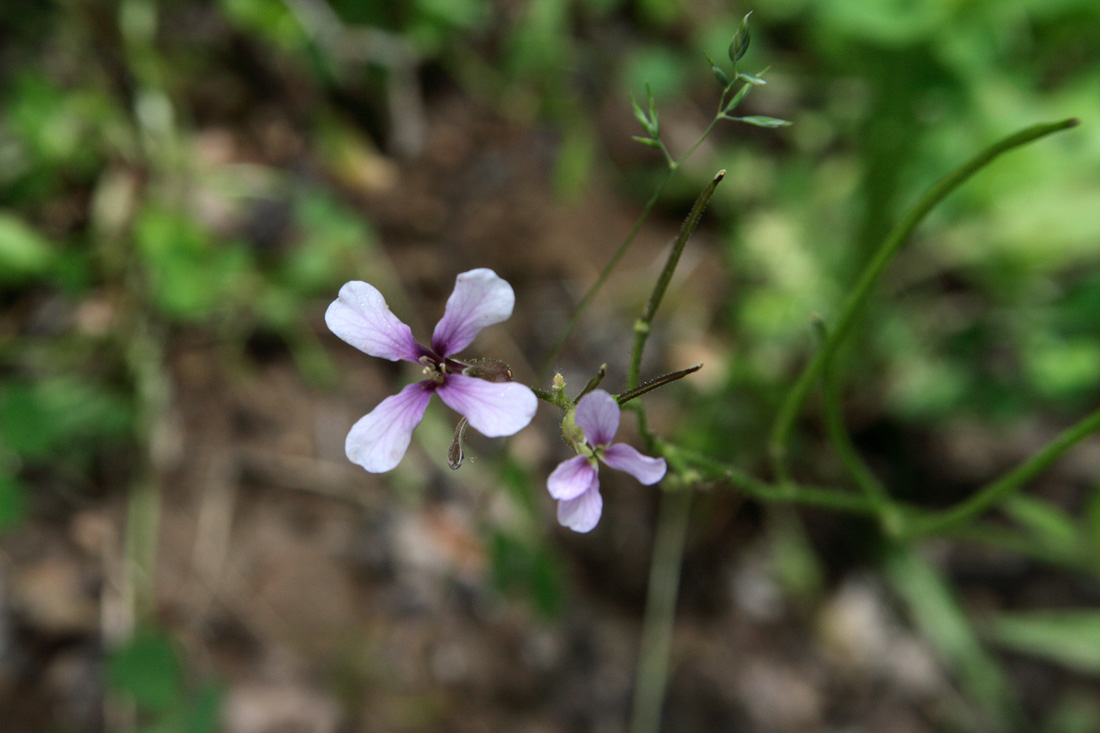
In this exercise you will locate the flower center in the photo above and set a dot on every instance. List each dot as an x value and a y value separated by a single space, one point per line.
435 371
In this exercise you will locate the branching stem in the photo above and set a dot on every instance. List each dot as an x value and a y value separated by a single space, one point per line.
796 397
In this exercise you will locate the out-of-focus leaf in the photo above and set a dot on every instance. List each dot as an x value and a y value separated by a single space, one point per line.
204 712
763 121
574 161
269 18
191 275
45 417
147 670
794 561
945 624
1047 523
12 502
24 252
1068 638
1063 367
333 240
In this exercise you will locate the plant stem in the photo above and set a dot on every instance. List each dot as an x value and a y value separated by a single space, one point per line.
605 273
623 247
660 610
860 472
554 398
954 517
796 397
687 462
642 325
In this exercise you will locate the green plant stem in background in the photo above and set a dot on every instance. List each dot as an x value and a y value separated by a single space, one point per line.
693 467
857 468
604 274
660 610
623 247
643 324
951 519
796 397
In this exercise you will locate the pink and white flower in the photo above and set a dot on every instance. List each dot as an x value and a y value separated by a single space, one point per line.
360 316
575 483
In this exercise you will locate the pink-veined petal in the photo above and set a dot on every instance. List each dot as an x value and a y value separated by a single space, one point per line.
583 513
480 298
572 478
492 408
379 440
622 457
598 416
361 317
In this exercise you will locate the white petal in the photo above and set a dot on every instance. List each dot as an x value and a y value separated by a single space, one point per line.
379 440
598 416
492 408
480 298
572 478
583 513
361 317
623 457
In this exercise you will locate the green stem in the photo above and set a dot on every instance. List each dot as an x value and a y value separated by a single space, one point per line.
860 472
950 519
796 397
642 325
623 247
605 273
660 610
695 466
554 398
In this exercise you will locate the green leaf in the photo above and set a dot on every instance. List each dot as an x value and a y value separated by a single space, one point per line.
935 611
655 129
204 712
750 79
146 670
641 116
47 417
192 276
719 74
648 141
1069 638
638 113
24 252
762 121
12 502
1047 523
740 42
736 100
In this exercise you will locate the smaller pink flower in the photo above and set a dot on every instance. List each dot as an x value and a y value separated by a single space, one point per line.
494 407
575 483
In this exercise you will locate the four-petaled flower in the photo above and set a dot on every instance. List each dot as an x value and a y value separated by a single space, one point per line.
575 483
360 316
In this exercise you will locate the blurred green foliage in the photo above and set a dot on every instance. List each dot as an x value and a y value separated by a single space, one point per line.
148 672
990 314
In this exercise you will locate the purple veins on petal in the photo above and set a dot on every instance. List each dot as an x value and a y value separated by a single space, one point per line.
598 415
572 478
480 298
623 457
361 317
378 441
494 409
583 513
